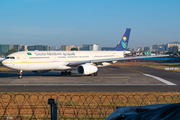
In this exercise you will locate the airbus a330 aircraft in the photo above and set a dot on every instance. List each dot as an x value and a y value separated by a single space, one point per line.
85 62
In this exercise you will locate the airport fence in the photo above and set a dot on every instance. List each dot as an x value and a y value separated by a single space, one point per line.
35 106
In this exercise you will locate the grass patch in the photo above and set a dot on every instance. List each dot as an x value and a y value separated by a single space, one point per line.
80 105
161 66
2 68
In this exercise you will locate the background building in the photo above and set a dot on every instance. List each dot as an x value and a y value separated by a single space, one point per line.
141 49
172 46
89 47
147 48
5 48
107 48
168 47
53 47
164 47
38 47
17 47
155 47
160 48
68 47
46 48
24 48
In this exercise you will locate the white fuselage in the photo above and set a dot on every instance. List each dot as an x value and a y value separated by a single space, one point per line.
54 60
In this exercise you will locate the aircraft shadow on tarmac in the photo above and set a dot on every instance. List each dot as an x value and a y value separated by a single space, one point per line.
54 74
5 74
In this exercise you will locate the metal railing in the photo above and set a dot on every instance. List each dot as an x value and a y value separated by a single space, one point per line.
35 106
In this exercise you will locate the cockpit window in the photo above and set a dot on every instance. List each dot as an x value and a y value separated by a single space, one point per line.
10 57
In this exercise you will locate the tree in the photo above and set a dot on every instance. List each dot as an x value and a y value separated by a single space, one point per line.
10 51
74 49
169 52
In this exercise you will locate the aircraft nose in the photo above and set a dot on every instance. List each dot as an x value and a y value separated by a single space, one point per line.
2 62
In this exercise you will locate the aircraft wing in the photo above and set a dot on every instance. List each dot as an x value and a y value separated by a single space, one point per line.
112 59
78 63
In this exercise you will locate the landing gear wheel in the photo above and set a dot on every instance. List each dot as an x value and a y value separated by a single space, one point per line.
69 73
65 73
20 77
62 73
20 74
95 74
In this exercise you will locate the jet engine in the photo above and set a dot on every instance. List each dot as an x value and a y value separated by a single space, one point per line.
40 71
104 64
86 69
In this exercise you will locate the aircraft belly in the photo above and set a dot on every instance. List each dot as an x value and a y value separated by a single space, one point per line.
42 66
63 66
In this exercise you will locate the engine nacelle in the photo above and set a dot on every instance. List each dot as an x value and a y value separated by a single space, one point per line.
104 64
86 69
40 71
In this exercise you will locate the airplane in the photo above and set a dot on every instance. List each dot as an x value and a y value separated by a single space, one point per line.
85 62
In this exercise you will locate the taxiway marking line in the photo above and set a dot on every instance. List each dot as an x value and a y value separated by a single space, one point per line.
160 79
81 85
155 77
113 77
135 70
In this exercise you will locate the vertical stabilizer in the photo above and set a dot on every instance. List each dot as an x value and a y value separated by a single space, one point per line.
123 43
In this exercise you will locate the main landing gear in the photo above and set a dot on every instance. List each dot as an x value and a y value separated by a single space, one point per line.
95 74
20 74
65 73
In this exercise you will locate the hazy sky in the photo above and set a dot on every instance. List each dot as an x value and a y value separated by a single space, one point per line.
102 22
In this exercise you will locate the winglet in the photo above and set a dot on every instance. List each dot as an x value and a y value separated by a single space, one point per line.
123 43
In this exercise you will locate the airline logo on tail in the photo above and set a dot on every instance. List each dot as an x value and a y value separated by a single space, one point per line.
123 43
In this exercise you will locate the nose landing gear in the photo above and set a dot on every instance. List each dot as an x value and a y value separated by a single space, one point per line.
20 74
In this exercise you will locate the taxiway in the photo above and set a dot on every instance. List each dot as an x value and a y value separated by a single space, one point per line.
109 79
